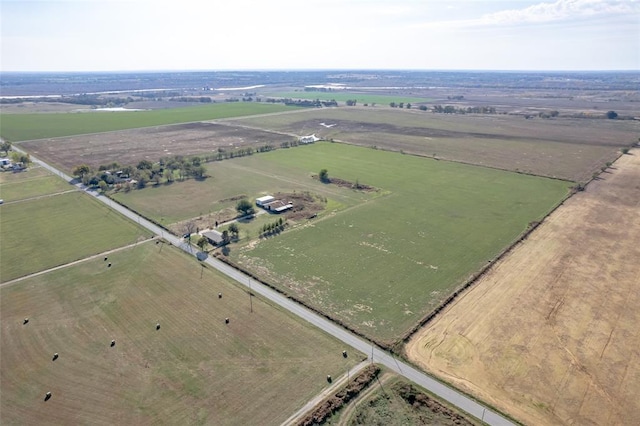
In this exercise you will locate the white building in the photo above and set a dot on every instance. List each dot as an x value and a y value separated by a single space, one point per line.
262 201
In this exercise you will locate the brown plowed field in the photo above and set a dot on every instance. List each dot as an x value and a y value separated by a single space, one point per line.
150 143
550 334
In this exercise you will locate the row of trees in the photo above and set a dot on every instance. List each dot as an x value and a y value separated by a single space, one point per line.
451 109
400 105
273 227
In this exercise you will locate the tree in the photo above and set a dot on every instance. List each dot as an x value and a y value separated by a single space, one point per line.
392 104
199 172
422 107
144 165
225 237
81 171
103 186
233 228
408 106
244 207
202 243
612 115
6 147
324 176
189 228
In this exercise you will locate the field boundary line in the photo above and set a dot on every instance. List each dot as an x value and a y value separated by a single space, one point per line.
473 279
324 394
75 262
42 196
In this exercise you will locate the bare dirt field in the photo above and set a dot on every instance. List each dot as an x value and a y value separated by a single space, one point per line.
550 334
151 143
567 148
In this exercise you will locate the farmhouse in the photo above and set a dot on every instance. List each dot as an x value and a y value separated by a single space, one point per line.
214 237
262 201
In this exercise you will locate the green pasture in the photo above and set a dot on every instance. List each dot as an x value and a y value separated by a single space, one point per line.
384 263
21 127
50 231
195 369
341 96
384 404
250 177
25 184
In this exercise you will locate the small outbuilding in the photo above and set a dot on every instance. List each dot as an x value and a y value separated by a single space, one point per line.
263 201
278 206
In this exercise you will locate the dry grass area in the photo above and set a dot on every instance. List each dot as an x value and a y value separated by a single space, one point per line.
150 143
550 334
565 148
195 369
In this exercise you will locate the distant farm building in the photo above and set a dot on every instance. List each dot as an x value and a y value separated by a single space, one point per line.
309 139
262 201
5 163
273 205
214 237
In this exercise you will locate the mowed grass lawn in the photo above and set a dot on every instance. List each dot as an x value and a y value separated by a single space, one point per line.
47 232
195 369
380 266
33 182
21 127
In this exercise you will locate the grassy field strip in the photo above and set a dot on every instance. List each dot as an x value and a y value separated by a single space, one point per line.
66 265
195 368
26 187
335 385
23 127
63 228
41 196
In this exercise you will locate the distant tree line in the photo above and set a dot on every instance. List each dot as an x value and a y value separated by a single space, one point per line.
94 100
201 99
308 103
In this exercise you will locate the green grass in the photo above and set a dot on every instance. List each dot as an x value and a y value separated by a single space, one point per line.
341 96
251 176
21 127
386 406
47 232
30 185
381 265
195 369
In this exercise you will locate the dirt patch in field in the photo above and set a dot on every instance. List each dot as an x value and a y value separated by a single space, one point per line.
550 334
305 205
151 143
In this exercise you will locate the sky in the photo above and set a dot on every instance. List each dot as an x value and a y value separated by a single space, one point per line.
147 35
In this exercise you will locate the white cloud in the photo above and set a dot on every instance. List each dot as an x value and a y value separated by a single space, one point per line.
562 10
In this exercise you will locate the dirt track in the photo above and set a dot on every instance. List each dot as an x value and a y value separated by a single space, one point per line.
550 334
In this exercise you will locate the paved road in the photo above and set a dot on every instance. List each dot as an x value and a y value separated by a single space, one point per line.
375 354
